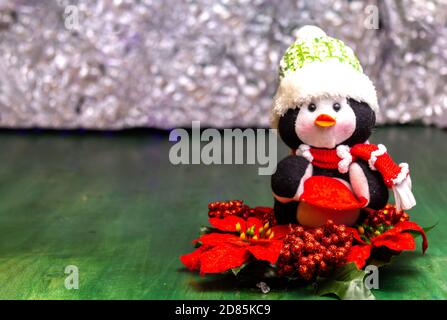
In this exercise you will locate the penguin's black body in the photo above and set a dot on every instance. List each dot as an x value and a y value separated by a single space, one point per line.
286 180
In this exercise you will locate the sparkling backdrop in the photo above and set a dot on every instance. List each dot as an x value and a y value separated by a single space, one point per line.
162 64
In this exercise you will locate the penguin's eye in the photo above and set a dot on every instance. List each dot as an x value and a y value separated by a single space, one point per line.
312 107
336 106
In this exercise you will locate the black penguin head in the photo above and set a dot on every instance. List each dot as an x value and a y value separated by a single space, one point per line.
356 127
365 118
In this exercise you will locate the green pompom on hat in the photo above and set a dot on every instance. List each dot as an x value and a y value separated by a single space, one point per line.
315 66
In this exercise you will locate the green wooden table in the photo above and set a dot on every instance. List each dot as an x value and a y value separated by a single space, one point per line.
114 206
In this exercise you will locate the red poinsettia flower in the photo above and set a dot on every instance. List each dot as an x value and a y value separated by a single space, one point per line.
396 239
237 241
327 192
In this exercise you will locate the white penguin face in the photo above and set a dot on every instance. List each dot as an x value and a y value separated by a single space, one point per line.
325 122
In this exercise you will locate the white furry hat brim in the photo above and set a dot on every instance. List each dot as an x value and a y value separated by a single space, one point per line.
322 79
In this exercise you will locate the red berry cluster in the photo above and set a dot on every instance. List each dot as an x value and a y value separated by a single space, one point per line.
264 214
314 252
376 222
388 216
222 209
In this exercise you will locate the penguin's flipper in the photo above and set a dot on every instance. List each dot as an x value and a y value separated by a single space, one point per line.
288 178
368 184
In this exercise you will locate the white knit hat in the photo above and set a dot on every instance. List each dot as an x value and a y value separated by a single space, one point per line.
317 65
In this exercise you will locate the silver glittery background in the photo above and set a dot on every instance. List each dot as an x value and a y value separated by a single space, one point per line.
153 63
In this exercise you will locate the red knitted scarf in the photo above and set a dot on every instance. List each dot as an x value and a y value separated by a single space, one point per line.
378 160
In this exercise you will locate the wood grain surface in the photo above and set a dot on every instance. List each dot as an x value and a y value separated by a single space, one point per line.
114 206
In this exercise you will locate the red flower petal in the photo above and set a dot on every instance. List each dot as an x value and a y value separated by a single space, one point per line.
409 225
266 250
223 258
280 231
227 223
397 242
330 193
251 221
218 239
192 260
359 254
355 234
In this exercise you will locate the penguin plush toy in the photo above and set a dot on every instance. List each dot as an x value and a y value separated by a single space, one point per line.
324 110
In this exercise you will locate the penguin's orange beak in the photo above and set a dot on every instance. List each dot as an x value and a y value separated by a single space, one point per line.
325 121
